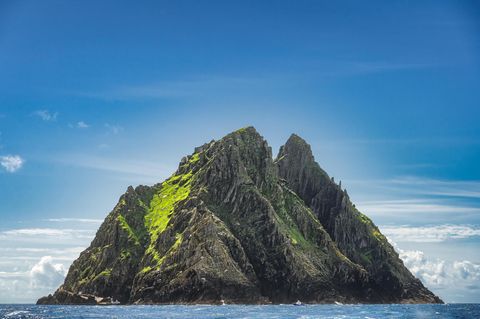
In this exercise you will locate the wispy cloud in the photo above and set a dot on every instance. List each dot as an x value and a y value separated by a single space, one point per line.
76 220
427 206
113 128
206 84
436 233
50 251
11 163
36 231
355 68
451 188
439 141
401 197
82 125
103 146
382 66
143 169
46 115
190 87
46 234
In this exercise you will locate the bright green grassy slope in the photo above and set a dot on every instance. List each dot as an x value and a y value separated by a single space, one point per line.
172 191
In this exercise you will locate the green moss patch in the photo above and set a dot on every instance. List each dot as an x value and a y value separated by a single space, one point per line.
132 235
172 191
366 257
374 229
194 158
178 241
125 254
105 273
287 222
364 219
146 269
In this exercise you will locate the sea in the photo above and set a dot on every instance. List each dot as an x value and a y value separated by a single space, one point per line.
244 311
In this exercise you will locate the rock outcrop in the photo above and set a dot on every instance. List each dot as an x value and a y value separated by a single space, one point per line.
355 235
233 224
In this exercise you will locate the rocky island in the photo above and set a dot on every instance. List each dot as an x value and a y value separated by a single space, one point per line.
234 224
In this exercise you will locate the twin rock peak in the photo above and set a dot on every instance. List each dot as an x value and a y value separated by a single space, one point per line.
233 224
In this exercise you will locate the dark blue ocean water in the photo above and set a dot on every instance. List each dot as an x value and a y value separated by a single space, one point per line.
237 311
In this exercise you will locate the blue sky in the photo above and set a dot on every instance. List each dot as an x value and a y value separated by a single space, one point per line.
98 96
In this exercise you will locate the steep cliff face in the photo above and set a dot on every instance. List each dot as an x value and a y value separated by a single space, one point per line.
233 224
354 233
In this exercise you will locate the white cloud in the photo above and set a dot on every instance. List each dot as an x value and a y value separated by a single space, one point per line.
437 233
448 188
402 200
113 128
417 186
13 274
82 124
467 270
47 235
36 231
15 257
46 273
46 115
42 277
438 274
52 251
431 273
428 206
33 261
79 220
11 163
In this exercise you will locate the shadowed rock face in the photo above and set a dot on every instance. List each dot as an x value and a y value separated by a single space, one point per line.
233 224
355 234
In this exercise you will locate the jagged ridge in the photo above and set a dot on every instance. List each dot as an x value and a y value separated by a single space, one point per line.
233 224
